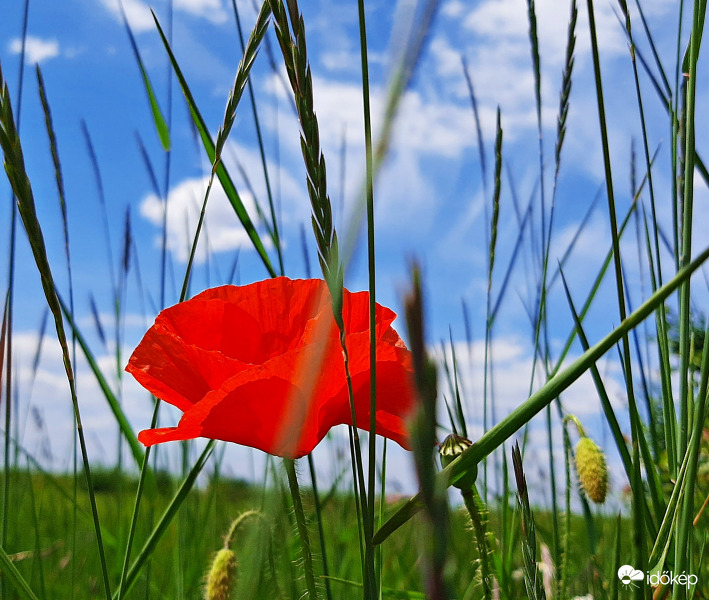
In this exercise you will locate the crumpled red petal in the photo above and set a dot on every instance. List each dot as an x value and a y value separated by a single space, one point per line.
261 365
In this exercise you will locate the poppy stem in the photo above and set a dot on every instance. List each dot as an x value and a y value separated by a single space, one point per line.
289 464
370 588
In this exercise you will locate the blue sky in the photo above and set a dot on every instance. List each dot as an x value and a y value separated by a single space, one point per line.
430 199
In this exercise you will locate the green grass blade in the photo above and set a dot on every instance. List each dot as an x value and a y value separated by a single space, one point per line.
685 532
3 337
455 388
113 403
273 226
37 545
501 295
609 413
307 557
158 119
532 576
97 321
371 270
102 202
210 149
478 127
9 307
166 518
148 166
669 417
15 168
539 400
394 594
14 578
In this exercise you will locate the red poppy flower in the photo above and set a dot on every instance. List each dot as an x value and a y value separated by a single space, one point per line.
262 365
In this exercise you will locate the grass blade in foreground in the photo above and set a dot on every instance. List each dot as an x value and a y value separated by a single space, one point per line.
539 400
113 402
224 178
532 578
158 119
167 517
14 578
14 163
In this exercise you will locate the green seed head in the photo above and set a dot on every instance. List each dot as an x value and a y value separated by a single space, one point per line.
592 470
220 580
451 448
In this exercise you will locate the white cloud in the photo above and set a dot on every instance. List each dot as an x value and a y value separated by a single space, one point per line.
140 18
498 20
424 124
137 13
212 10
36 49
453 9
222 228
494 38
512 360
426 129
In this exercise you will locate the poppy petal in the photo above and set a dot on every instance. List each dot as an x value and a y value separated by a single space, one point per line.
261 365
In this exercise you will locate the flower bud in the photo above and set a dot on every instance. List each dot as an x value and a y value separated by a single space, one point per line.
592 470
451 448
220 580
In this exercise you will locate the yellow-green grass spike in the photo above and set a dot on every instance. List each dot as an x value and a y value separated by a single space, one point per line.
220 579
592 470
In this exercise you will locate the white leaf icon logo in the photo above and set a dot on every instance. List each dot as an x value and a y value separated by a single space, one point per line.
627 574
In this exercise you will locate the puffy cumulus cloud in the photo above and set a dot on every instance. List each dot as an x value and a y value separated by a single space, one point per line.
222 230
212 10
137 13
426 125
426 130
45 413
493 35
512 362
506 20
36 49
140 18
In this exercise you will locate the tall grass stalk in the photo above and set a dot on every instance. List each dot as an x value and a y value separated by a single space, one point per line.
15 169
262 152
6 350
636 433
488 396
371 269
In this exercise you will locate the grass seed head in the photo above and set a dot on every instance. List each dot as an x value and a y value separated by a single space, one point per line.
451 448
592 470
220 580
